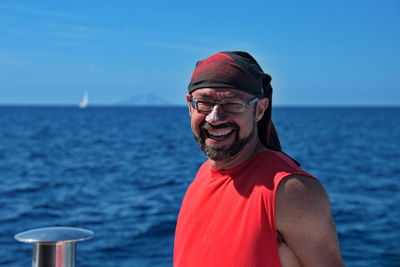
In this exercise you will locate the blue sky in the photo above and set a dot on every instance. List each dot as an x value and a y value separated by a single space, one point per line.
317 52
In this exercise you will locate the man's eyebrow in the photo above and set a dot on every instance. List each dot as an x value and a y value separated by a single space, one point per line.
203 96
206 95
232 95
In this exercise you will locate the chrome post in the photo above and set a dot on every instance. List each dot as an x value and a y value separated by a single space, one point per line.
54 246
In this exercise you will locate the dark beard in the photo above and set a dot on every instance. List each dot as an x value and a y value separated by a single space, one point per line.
218 152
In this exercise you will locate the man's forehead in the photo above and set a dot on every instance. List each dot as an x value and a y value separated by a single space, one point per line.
225 92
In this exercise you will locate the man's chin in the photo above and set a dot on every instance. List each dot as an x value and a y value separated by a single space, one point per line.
219 152
223 152
215 152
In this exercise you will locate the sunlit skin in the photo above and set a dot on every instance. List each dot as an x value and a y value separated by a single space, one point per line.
244 122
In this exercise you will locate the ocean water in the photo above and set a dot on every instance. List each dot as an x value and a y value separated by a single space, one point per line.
122 172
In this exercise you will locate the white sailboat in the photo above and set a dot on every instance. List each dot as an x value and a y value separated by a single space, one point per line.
85 101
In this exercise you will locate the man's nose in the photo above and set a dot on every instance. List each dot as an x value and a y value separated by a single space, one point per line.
217 115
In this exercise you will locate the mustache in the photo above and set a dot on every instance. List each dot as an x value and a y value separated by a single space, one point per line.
206 125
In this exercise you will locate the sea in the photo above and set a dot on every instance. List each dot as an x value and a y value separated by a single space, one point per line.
122 172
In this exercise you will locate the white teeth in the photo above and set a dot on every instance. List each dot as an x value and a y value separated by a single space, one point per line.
216 132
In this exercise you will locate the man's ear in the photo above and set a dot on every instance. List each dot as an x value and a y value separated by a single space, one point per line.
188 101
262 106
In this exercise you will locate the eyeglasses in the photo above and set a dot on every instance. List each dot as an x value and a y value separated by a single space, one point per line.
232 107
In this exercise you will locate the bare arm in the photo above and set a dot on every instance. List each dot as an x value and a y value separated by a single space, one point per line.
304 219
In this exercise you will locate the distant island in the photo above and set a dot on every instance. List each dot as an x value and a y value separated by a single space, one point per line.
146 100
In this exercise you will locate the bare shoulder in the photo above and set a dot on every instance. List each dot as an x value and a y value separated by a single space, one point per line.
301 192
304 219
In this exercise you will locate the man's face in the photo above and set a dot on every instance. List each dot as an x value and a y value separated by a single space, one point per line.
222 135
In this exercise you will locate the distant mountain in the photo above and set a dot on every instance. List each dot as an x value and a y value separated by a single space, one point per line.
145 100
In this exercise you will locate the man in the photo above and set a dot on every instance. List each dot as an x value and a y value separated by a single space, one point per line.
250 204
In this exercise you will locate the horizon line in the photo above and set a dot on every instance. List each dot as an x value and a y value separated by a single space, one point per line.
184 105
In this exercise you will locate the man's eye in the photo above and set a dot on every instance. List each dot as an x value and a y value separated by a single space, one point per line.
232 105
204 104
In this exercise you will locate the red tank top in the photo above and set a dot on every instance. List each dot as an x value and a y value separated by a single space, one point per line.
227 217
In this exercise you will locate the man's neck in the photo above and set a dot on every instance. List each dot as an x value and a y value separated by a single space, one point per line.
247 152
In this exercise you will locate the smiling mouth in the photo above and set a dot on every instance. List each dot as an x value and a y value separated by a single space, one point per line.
218 134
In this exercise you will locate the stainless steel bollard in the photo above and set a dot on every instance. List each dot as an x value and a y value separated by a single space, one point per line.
54 246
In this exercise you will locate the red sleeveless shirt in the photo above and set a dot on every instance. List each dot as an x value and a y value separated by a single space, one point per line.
227 217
